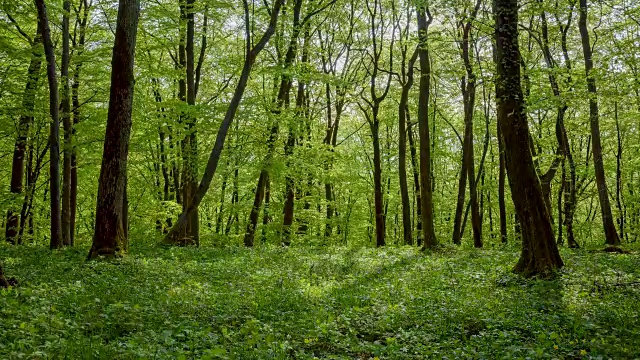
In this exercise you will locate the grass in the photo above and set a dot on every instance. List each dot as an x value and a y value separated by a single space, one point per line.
305 303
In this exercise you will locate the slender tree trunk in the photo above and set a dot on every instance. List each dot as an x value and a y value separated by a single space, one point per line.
266 214
54 135
539 251
560 240
221 208
428 231
501 189
621 217
109 239
402 149
255 209
12 228
468 87
416 179
75 100
377 181
611 236
66 123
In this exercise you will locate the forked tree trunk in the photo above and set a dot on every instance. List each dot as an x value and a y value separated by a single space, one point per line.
539 254
109 239
467 171
611 236
214 156
54 134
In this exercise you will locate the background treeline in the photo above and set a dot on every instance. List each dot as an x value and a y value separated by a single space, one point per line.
325 143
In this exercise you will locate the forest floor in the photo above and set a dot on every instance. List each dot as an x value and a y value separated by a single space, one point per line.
328 303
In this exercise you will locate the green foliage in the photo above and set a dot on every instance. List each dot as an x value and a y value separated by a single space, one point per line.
335 303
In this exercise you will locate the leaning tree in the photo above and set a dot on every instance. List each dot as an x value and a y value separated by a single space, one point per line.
109 238
539 254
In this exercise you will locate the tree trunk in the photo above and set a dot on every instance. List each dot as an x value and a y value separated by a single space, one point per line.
428 231
54 135
26 119
402 150
3 281
109 239
621 217
66 123
462 189
377 181
75 100
468 87
539 254
611 236
416 179
214 156
192 235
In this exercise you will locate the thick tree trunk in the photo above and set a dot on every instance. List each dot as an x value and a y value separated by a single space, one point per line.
539 254
12 228
192 236
109 239
428 231
54 135
611 236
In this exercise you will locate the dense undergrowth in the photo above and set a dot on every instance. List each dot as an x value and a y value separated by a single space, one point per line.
304 303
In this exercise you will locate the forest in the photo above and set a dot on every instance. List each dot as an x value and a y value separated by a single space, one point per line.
319 179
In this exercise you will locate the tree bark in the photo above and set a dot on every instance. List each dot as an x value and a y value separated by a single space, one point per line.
426 192
416 178
66 123
611 235
109 239
539 254
407 226
54 134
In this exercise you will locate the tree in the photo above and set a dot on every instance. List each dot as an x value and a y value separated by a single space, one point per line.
610 233
109 238
78 41
66 123
20 148
467 170
378 28
426 191
539 255
214 157
54 134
